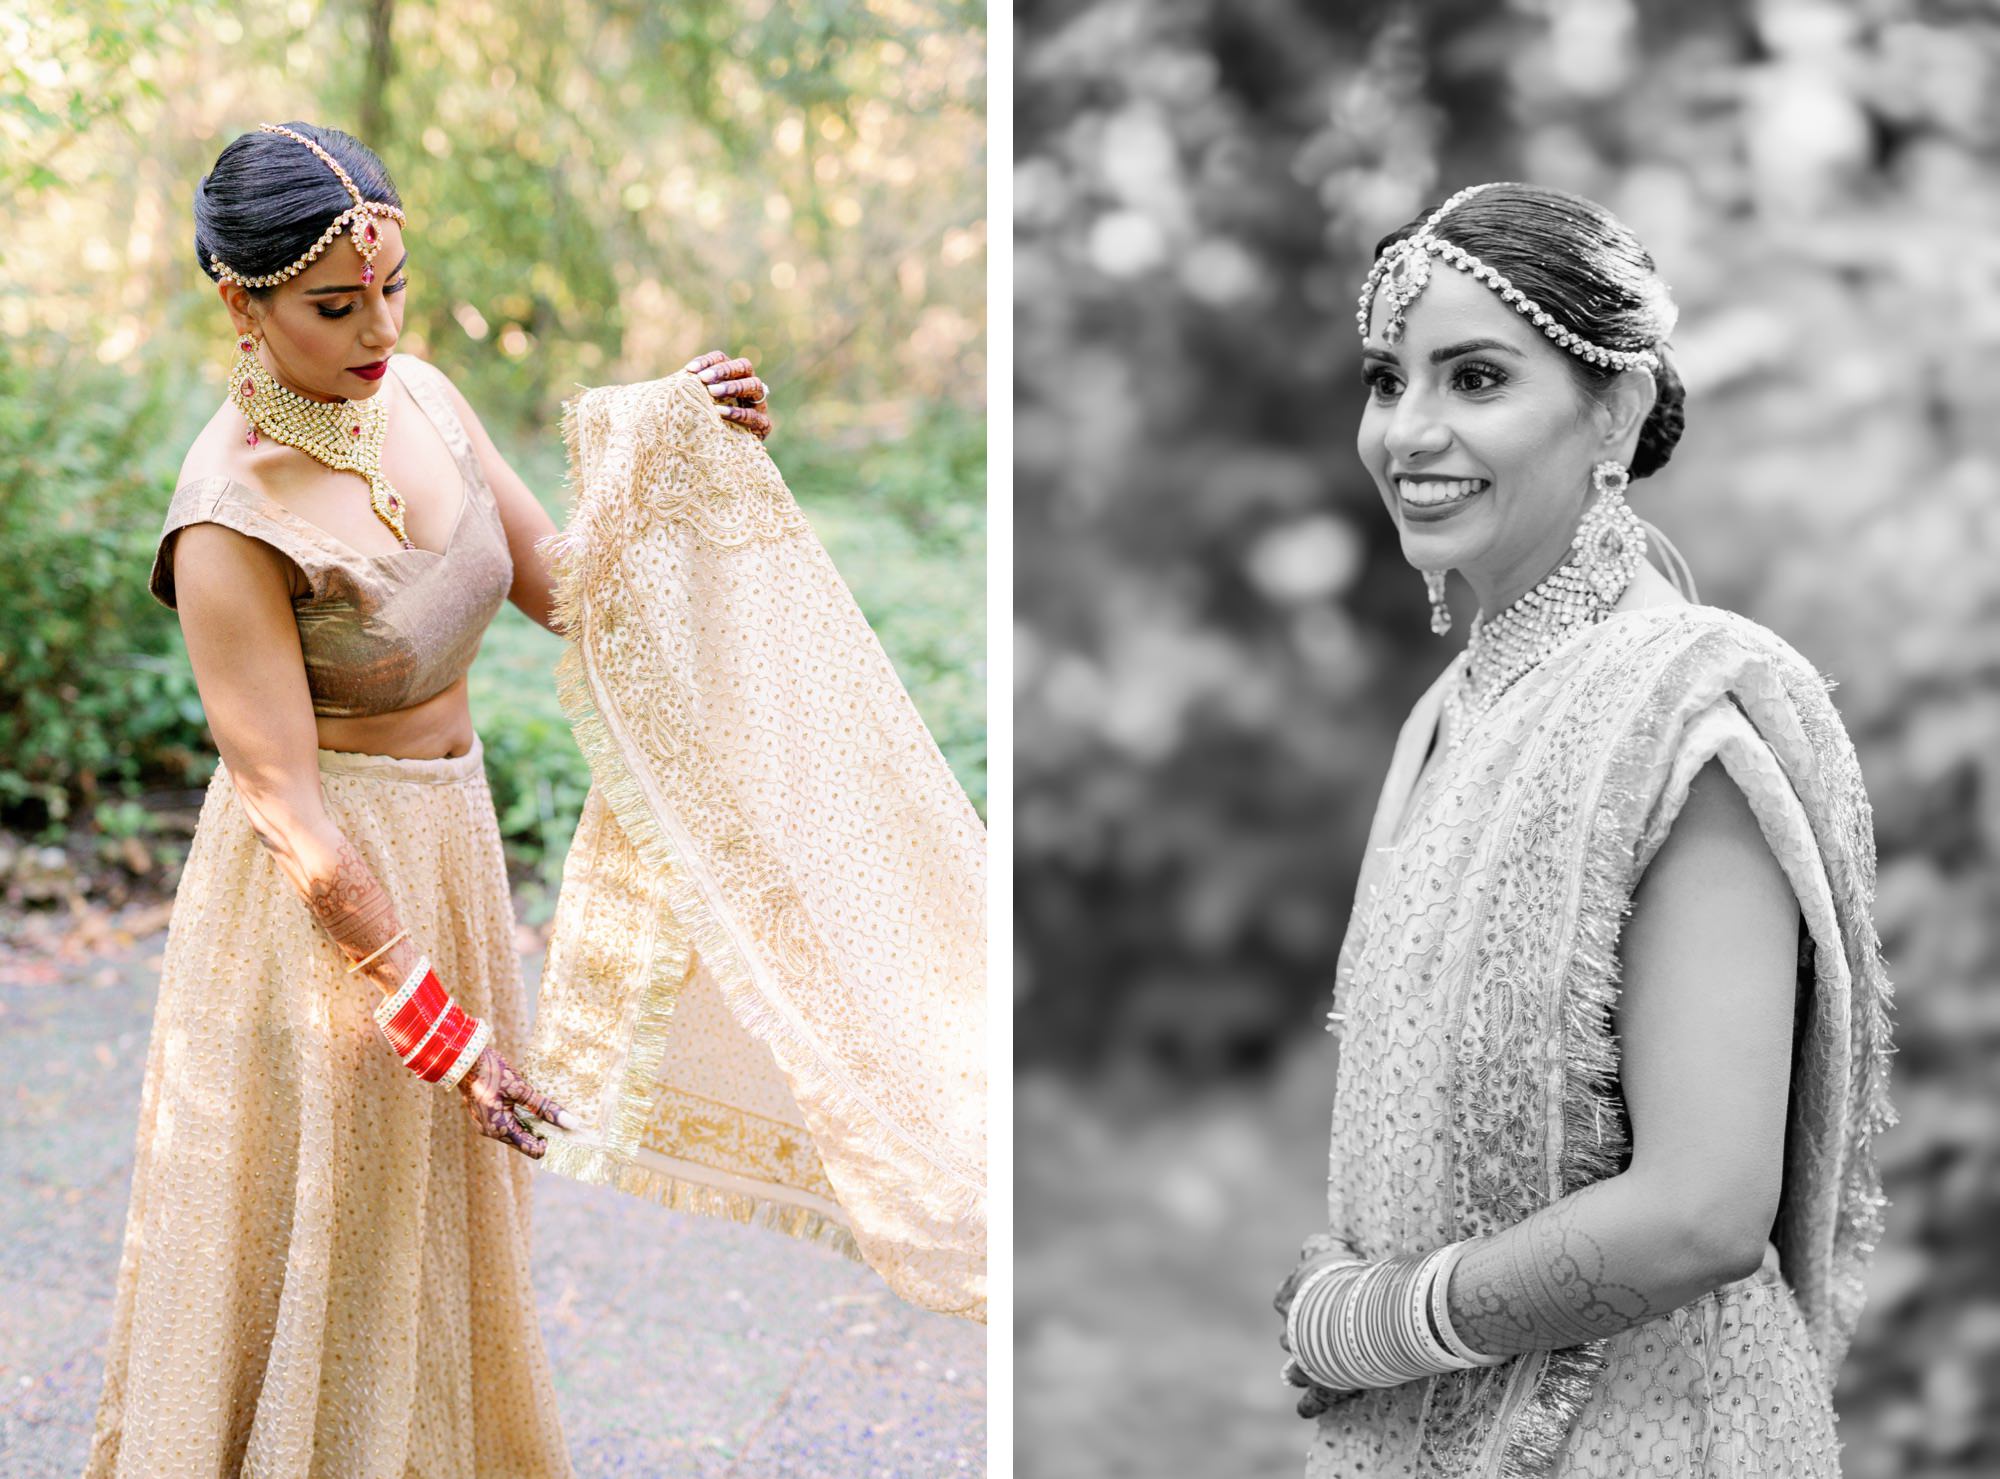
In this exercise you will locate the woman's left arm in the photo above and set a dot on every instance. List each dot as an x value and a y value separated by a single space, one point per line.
1710 957
732 382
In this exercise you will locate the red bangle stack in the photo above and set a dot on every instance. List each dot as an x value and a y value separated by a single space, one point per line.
429 1031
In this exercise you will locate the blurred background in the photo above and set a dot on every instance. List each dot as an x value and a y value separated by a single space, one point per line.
597 191
1216 637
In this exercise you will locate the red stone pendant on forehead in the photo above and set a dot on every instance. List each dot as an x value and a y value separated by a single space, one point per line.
367 252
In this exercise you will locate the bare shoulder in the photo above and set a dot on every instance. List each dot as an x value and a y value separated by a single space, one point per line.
220 451
211 454
208 553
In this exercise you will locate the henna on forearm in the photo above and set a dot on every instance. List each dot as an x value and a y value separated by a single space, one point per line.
354 909
1598 1261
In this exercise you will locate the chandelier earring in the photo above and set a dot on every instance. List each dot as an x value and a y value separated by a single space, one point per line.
1440 613
1606 552
243 376
1610 541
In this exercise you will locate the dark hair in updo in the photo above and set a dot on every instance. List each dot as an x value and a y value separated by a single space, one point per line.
269 198
1583 265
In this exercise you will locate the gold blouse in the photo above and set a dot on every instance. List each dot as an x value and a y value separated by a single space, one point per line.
379 632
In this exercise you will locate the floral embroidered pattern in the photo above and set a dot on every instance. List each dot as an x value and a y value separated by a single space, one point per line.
720 1135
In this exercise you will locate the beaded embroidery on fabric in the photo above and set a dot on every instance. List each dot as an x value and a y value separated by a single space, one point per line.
1478 1072
765 990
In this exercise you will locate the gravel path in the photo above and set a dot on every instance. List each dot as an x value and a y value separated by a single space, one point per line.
681 1345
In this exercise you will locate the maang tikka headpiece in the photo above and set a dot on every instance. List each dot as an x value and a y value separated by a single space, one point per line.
367 240
1403 270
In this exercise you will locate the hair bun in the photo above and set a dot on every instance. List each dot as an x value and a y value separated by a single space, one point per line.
1663 428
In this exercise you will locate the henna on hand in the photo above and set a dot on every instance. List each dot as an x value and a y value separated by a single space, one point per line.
758 423
492 1089
734 382
1315 1399
747 391
716 370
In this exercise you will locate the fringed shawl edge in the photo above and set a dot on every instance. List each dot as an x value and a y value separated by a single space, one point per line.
1714 650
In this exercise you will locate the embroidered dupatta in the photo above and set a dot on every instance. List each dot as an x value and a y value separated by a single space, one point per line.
765 987
1478 1072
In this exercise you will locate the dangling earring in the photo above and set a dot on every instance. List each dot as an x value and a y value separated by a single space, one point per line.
244 376
1610 541
1440 613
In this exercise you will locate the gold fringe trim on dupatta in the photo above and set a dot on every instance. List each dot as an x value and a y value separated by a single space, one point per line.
601 1165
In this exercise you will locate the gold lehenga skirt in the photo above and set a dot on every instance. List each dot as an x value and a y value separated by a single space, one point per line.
326 1268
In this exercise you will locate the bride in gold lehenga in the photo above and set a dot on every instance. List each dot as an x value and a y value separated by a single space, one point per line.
1602 1188
325 1270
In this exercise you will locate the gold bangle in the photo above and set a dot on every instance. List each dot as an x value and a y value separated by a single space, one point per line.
362 965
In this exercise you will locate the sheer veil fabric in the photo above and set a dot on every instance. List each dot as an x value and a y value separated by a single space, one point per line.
765 988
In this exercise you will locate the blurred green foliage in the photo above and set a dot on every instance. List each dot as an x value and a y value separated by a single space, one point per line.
1217 638
595 196
95 692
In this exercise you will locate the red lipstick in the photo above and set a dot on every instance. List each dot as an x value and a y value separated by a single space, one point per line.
370 372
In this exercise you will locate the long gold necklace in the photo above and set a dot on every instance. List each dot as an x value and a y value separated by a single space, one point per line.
344 435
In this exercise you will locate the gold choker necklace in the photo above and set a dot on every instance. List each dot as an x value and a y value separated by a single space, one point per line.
1605 554
345 435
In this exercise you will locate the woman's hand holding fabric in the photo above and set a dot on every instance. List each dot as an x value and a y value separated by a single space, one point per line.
492 1090
734 382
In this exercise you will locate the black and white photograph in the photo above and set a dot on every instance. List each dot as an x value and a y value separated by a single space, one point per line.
1506 728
